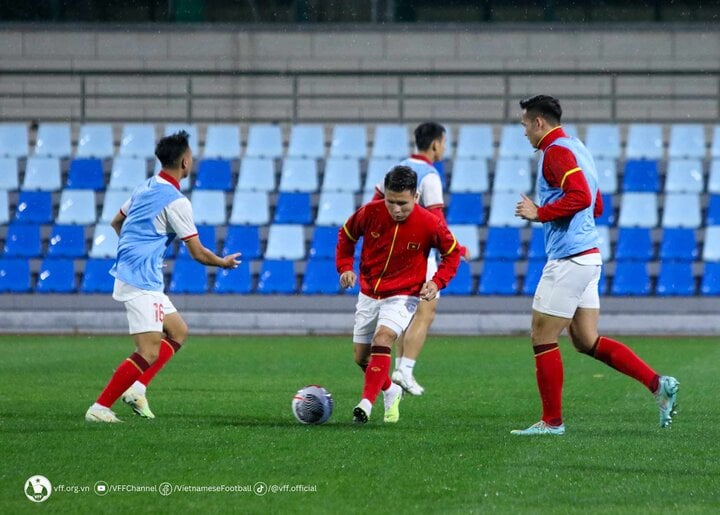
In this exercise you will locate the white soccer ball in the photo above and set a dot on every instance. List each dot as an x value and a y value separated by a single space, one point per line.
312 405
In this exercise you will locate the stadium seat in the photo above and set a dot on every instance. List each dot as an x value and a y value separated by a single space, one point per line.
503 243
97 278
684 176
95 140
22 240
264 141
13 140
502 210
42 174
679 245
67 241
469 176
138 140
342 174
208 238
377 169
715 144
466 208
608 215
462 283
307 141
607 174
214 174
634 244
191 129
14 275
250 208
34 207
244 239
675 278
711 246
299 174
53 140
498 278
682 210
334 208
638 210
257 174
631 278
709 285
234 281
77 207
641 176
467 235
188 276
536 246
324 242
114 199
349 141
285 242
604 242
475 141
512 175
56 276
127 173
276 276
4 207
9 177
513 143
687 141
532 276
222 141
644 141
320 277
712 216
293 208
208 207
86 174
104 243
713 185
390 142
603 140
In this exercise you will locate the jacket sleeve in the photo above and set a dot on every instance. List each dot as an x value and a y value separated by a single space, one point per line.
348 236
450 254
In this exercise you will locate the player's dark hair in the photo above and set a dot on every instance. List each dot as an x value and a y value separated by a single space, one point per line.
544 106
426 133
401 178
171 148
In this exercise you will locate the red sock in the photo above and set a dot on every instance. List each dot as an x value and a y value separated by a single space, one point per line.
125 375
377 374
168 348
549 375
621 357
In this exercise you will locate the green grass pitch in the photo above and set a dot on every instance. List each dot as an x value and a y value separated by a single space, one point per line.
224 418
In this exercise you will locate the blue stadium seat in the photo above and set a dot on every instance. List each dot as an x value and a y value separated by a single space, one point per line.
222 141
513 142
462 283
532 276
675 278
14 275
608 215
320 277
684 176
208 238
250 208
466 208
503 243
638 210
687 141
95 140
334 208
256 174
469 176
467 236
536 246
13 140
603 140
712 216
208 206
114 199
97 278
56 276
678 244
715 144
77 207
641 176
276 276
682 210
285 242
22 240
378 167
607 174
342 174
53 140
711 246
713 184
236 281
502 210
644 141
349 141
293 208
709 285
307 141
104 243
631 278
390 142
324 242
42 174
34 207
9 176
4 207
475 141
634 244
137 140
513 175
264 141
191 129
86 174
67 241
127 173
498 278
244 239
188 276
214 174
299 174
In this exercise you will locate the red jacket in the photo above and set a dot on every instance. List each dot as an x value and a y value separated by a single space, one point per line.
394 254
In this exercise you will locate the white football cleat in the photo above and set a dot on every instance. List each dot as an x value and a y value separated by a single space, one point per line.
407 382
138 403
101 414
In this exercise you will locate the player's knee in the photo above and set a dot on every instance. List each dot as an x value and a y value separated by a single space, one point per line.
150 354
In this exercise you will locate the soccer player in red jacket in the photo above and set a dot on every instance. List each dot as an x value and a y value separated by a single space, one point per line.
397 237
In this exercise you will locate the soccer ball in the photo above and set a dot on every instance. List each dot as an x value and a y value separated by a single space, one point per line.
312 405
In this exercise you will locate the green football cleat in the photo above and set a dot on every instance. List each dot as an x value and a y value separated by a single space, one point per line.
138 403
393 396
540 428
666 398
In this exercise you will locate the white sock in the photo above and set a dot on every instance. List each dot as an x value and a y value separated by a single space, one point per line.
99 406
399 362
408 364
139 388
366 405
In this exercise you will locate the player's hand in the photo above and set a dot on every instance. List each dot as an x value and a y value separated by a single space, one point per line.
231 261
348 279
526 209
428 291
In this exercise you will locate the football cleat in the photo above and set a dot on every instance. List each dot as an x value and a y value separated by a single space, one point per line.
666 398
100 414
138 403
392 398
407 382
540 428
360 416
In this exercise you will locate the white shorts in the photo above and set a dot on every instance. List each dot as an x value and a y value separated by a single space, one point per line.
394 313
146 309
432 267
566 285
